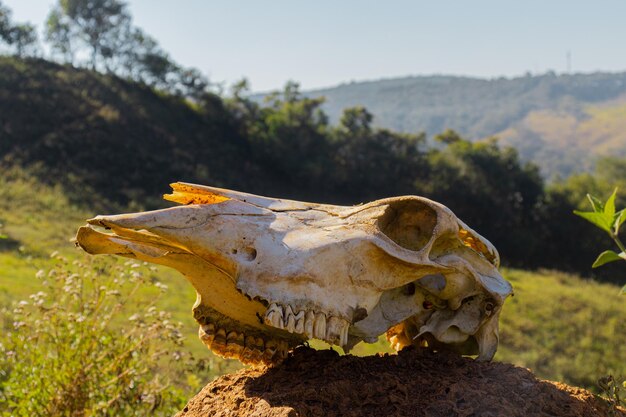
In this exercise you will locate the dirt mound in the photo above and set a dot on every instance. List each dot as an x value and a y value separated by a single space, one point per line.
416 382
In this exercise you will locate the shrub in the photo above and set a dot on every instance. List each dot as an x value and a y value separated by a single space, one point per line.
91 342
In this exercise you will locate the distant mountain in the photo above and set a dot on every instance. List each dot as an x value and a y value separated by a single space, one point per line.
558 121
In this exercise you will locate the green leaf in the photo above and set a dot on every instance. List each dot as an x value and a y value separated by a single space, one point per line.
601 220
596 204
608 256
609 206
3 236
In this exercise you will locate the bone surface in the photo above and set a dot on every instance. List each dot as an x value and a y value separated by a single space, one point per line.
271 274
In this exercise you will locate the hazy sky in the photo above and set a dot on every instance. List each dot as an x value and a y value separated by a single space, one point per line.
322 43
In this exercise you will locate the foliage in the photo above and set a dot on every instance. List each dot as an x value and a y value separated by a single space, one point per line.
23 36
294 126
97 24
613 391
5 23
37 219
60 36
104 29
605 217
74 348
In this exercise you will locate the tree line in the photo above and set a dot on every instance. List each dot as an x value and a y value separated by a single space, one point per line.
485 184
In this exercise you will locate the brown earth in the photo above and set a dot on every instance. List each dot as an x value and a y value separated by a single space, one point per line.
416 382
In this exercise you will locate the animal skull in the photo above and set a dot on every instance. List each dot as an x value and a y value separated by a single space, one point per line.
272 273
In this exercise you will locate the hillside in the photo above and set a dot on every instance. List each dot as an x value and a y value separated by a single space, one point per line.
550 118
564 141
80 127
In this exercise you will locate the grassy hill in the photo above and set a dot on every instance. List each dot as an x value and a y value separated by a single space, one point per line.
564 140
71 126
549 118
560 326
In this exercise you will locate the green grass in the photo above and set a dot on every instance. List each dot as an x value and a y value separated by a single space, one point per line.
564 328
43 221
560 326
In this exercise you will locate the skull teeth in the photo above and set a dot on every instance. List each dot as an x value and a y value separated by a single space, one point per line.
319 327
274 316
331 329
309 322
248 349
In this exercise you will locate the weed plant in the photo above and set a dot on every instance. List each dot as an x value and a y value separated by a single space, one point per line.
88 344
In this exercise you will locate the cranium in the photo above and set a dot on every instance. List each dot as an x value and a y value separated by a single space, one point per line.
272 273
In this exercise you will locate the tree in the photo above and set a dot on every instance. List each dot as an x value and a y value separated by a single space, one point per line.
357 120
153 66
448 137
5 22
58 33
98 24
373 163
104 28
22 36
193 83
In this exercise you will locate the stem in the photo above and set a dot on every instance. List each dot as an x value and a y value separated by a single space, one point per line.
618 242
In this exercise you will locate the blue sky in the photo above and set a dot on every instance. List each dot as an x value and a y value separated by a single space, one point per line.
323 43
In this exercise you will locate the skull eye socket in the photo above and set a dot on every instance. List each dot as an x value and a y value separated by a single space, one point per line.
408 223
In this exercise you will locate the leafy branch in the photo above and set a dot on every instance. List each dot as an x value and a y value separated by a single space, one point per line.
605 217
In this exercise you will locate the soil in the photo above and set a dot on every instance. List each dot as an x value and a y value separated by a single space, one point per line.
416 382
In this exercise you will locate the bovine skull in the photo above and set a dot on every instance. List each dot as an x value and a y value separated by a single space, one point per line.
272 273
